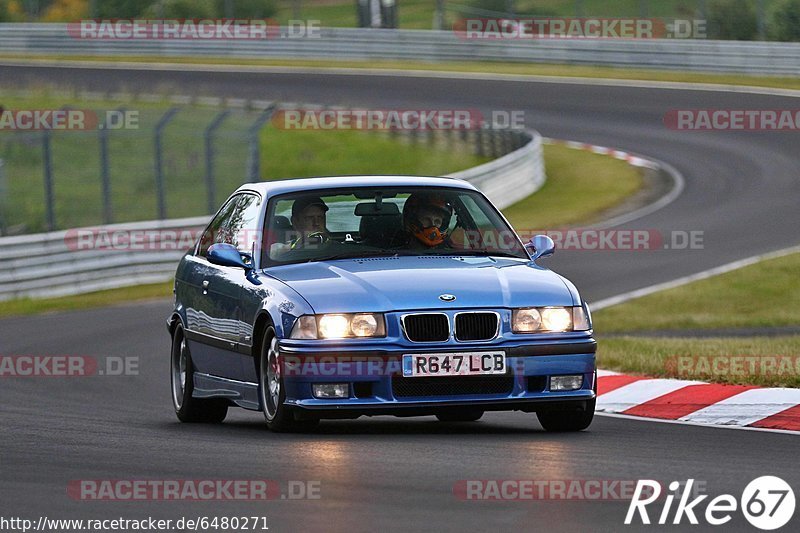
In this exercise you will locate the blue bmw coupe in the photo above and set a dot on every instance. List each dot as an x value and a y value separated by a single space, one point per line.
375 295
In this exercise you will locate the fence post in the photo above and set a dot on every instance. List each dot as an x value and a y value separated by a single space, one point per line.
3 204
761 15
162 123
208 139
254 156
439 15
47 165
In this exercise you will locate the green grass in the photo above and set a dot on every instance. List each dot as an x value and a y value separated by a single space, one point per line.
580 186
764 294
662 357
299 153
478 67
284 153
760 295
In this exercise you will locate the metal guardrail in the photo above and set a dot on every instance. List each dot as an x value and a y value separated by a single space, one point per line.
58 264
377 44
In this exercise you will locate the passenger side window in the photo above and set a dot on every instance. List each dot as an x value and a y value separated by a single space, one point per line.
235 224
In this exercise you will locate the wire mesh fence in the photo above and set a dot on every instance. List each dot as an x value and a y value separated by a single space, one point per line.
168 165
165 162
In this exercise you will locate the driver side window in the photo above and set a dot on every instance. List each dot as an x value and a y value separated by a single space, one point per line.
235 224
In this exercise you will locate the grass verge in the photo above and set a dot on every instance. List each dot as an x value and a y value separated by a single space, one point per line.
756 296
745 361
29 306
580 186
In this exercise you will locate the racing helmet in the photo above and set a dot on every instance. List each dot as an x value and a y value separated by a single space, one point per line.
415 204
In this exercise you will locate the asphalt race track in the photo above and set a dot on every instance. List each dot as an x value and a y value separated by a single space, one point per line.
742 190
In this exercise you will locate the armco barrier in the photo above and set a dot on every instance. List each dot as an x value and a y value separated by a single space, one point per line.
53 264
375 44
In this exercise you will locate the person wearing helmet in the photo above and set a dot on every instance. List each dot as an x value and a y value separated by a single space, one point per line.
426 218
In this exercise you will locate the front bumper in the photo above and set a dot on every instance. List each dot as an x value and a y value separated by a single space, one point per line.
376 386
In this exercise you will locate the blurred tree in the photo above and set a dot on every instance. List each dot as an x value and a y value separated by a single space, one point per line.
246 8
183 9
66 11
11 11
507 7
785 21
121 9
732 20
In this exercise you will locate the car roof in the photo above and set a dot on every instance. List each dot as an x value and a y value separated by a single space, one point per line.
272 188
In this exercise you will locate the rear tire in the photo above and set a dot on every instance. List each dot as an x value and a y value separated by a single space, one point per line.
469 415
188 408
567 421
271 391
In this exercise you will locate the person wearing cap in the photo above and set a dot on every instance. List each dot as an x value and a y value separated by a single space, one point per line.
309 216
426 219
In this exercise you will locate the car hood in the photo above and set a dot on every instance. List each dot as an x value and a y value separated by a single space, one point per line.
408 283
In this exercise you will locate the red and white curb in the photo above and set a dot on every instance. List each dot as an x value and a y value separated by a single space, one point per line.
697 402
632 159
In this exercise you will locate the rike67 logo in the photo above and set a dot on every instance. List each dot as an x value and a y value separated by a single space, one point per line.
767 502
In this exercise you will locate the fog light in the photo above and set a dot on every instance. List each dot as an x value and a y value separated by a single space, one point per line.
331 390
560 383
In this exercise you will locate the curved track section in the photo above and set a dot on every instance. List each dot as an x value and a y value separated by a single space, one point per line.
741 191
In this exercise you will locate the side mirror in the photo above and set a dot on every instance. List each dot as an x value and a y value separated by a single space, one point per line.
540 246
223 254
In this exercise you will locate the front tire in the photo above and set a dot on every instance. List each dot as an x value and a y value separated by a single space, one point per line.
271 391
188 408
567 421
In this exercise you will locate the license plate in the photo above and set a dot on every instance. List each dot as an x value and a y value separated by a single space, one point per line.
454 364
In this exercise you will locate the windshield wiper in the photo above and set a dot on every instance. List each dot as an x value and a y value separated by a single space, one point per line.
485 253
360 254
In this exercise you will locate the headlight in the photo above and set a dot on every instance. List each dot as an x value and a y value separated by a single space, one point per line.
527 320
339 326
364 325
333 326
549 319
556 319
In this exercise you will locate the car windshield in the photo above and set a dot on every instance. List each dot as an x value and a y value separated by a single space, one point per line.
387 221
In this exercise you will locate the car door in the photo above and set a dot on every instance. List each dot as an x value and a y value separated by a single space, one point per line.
215 321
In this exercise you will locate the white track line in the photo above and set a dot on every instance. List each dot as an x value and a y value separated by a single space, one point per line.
638 293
